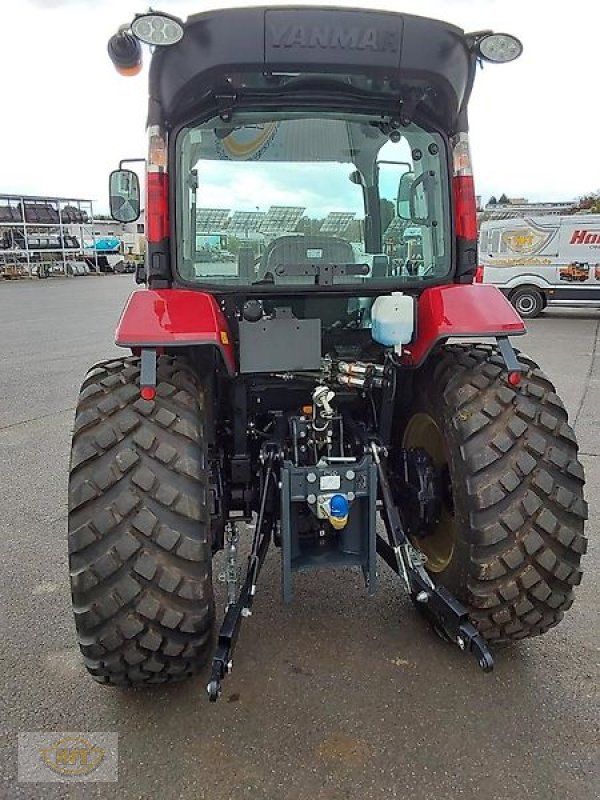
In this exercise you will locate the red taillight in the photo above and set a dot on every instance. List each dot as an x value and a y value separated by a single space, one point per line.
465 210
465 205
478 277
157 206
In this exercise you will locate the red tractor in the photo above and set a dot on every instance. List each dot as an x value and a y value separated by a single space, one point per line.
300 379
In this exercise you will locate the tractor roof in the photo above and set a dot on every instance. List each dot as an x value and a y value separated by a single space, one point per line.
414 60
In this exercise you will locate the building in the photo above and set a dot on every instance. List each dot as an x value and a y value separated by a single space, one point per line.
42 235
521 207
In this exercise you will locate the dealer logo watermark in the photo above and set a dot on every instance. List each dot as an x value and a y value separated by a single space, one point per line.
68 757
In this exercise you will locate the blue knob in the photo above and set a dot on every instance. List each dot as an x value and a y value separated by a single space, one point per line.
339 506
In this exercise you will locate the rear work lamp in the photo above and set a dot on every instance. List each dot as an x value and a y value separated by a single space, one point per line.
156 28
497 48
153 28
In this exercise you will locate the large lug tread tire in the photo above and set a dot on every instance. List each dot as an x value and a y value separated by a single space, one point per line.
139 526
518 490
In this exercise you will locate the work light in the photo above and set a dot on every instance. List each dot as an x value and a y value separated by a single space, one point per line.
499 48
157 29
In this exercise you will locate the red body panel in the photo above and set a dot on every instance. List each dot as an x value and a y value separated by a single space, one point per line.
172 317
460 310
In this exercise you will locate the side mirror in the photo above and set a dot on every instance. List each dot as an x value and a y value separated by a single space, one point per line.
124 195
403 199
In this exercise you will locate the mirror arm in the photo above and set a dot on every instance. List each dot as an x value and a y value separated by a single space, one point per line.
131 161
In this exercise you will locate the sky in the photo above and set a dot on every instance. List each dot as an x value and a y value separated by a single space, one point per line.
68 117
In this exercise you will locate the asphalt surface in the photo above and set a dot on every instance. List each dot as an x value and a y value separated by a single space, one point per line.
339 697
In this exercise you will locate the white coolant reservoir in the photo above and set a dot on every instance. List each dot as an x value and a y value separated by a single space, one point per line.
393 320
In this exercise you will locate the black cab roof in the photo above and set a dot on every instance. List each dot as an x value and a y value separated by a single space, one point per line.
415 60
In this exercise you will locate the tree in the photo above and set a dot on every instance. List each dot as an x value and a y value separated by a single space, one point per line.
589 202
309 226
492 201
504 201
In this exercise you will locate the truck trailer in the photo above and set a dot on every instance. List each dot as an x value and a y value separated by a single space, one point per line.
542 261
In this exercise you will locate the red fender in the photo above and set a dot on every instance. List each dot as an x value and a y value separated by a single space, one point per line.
464 310
174 317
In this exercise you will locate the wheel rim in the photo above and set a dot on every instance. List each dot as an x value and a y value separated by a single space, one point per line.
422 431
526 304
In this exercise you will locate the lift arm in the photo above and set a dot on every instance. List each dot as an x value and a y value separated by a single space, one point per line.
447 614
222 660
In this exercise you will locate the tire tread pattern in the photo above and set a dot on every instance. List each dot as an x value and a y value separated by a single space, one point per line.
139 527
523 490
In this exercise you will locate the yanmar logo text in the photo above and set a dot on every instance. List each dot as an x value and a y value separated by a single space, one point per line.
376 40
585 237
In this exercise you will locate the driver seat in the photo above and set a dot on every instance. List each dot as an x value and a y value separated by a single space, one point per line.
300 249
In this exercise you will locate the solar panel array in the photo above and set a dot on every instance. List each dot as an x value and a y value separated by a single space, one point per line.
395 228
276 221
211 219
281 219
243 222
337 222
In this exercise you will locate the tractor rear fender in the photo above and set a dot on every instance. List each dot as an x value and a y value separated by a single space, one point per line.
460 310
155 318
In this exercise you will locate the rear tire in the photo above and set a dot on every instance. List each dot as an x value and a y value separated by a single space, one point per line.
513 536
528 301
139 526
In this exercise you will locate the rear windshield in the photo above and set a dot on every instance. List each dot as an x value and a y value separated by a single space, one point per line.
321 200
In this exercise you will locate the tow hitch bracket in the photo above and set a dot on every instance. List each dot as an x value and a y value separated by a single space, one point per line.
447 615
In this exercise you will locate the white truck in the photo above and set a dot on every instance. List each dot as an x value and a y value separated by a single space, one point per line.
542 261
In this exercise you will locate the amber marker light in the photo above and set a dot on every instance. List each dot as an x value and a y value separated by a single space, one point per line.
125 52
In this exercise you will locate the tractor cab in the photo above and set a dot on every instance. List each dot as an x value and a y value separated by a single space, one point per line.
271 123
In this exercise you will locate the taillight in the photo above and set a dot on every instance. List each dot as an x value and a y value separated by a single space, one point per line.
465 212
157 206
157 188
478 277
465 207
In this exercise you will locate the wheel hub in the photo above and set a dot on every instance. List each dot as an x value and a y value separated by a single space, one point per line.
438 537
421 492
525 304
